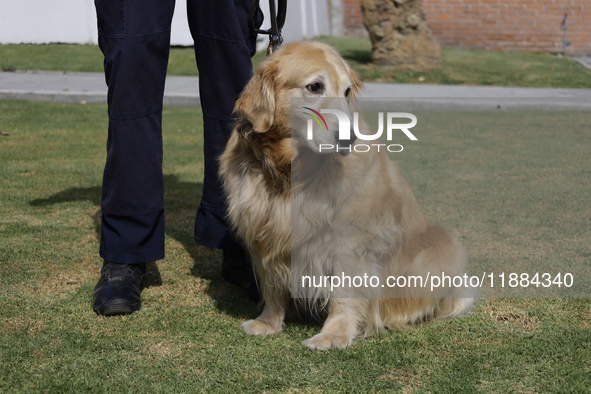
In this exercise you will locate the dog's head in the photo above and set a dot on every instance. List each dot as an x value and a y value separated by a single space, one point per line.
307 70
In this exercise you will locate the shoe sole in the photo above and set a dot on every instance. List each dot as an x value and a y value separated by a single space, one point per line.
117 307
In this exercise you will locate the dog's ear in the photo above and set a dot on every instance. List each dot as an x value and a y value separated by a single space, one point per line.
356 84
257 101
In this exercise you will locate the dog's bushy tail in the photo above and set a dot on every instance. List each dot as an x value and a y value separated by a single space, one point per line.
417 304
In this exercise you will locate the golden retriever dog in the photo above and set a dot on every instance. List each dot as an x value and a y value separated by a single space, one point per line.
337 215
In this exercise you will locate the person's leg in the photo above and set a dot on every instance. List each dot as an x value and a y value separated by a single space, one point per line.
134 36
223 48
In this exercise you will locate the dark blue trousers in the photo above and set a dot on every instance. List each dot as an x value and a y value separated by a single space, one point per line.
134 36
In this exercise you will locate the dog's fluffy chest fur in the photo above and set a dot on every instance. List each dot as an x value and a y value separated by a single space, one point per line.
258 196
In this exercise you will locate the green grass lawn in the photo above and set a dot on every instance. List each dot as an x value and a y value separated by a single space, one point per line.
460 66
511 194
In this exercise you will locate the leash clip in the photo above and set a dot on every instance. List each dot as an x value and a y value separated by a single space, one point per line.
274 44
277 22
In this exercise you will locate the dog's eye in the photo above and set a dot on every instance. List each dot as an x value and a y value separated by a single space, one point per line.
315 87
347 92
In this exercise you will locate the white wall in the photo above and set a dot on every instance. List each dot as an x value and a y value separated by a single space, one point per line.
43 21
74 21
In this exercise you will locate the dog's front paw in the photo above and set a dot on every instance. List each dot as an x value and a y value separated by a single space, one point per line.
326 342
258 327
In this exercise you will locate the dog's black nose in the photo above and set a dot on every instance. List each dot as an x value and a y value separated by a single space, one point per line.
346 146
353 136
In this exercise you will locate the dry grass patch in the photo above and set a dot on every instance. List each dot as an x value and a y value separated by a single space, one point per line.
157 350
510 313
33 326
190 293
59 282
408 380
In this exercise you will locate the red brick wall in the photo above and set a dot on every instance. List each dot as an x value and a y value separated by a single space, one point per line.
353 18
504 25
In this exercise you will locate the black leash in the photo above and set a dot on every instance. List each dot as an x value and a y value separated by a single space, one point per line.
277 22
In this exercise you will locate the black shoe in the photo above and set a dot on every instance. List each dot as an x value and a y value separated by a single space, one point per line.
237 269
118 290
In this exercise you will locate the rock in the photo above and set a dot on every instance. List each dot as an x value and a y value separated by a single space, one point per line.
400 35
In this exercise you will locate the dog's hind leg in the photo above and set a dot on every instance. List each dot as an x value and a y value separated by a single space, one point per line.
345 316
